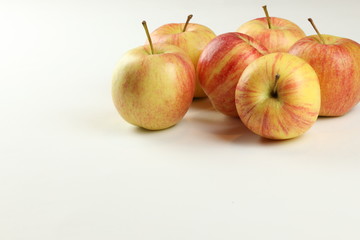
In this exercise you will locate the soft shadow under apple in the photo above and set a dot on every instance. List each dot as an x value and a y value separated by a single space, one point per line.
230 129
202 104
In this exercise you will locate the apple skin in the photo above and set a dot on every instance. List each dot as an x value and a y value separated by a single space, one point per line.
221 64
192 41
153 91
337 64
295 108
282 35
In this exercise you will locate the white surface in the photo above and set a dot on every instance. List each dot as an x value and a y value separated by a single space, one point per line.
71 168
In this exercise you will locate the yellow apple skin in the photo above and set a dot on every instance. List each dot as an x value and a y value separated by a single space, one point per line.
153 91
192 41
337 64
282 35
296 105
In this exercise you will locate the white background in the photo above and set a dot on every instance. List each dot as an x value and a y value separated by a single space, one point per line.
71 168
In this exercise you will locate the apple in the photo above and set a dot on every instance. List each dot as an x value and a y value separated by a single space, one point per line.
221 64
336 61
153 85
191 37
278 96
276 34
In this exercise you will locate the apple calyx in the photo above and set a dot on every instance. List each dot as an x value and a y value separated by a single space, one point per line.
187 22
274 92
316 30
148 36
268 19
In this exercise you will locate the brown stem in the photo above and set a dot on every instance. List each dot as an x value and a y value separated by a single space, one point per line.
187 22
267 16
274 92
316 30
148 36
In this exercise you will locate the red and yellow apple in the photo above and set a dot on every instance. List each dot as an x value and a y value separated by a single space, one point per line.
336 61
153 85
276 34
221 64
190 37
278 96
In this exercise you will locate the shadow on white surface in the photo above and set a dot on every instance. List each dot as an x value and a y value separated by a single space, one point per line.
204 122
232 130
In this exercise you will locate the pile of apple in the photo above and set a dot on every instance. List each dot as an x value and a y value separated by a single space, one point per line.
268 73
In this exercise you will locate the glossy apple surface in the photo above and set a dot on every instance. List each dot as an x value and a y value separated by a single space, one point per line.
278 96
192 41
221 65
153 91
279 38
337 64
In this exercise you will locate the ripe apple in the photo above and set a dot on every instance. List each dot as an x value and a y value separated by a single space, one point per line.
153 85
336 61
276 34
278 96
191 37
221 65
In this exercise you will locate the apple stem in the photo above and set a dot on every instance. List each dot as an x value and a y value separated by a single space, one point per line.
274 92
148 36
316 30
187 22
267 16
